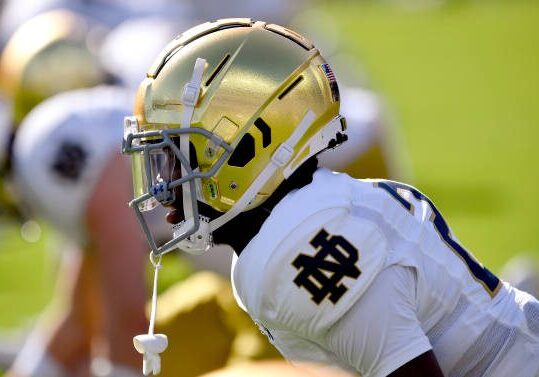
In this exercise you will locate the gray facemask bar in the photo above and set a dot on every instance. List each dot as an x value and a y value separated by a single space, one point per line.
163 192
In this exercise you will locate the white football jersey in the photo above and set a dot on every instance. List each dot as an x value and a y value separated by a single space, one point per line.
366 275
60 150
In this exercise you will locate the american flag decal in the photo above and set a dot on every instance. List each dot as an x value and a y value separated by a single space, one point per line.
332 81
329 73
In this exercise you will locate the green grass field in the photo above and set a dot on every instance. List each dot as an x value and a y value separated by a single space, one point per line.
463 83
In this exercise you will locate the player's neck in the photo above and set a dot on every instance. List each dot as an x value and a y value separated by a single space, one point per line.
239 231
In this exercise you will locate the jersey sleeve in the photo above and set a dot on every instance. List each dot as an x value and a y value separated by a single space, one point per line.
381 331
319 272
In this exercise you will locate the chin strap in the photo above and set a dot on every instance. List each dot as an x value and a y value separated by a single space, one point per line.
150 345
280 158
190 96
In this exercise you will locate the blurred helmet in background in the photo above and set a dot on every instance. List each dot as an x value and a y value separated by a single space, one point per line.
107 12
49 54
130 48
273 11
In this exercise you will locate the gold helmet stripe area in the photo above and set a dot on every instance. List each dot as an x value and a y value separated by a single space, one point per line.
239 106
280 158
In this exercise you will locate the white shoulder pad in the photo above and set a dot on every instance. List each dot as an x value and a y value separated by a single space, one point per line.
60 150
303 274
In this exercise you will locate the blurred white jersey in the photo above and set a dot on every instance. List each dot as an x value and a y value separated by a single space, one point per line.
366 275
60 150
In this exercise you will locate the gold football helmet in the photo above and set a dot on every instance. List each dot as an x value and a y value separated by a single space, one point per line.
227 112
48 54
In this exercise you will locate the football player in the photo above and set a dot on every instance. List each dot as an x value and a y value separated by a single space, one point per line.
362 274
49 54
58 164
371 150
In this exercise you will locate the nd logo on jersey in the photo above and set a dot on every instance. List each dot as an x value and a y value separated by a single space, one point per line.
322 273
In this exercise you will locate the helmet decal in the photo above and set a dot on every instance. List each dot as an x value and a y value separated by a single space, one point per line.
265 130
244 151
332 81
70 160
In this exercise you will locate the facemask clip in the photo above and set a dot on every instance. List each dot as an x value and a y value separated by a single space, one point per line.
197 243
162 193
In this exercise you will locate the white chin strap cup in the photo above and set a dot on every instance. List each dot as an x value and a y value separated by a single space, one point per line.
197 243
150 346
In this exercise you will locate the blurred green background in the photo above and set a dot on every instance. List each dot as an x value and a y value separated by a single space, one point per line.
461 80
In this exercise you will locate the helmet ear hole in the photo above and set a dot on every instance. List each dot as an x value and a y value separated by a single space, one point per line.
244 152
193 156
193 161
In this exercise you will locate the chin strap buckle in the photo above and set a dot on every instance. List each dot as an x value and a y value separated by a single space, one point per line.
197 243
150 346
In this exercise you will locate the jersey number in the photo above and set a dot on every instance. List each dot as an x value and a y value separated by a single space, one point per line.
480 273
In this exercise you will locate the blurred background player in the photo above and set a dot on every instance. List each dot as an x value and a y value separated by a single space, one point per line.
48 54
62 151
106 13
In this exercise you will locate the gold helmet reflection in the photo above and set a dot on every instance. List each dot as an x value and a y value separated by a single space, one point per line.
48 54
259 83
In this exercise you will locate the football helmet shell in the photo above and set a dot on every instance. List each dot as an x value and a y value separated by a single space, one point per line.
259 102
